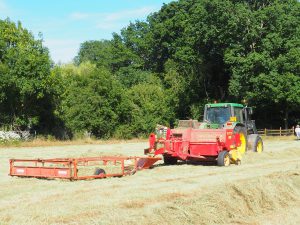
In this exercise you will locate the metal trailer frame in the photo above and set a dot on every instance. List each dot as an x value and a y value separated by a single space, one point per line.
67 168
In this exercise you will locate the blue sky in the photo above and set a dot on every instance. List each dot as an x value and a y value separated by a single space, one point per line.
67 23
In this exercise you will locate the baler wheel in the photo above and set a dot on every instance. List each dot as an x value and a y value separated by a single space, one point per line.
99 171
223 159
168 160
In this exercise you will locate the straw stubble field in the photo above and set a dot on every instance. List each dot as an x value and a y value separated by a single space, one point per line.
265 189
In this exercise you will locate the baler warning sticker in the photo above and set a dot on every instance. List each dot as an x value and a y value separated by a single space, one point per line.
62 173
20 171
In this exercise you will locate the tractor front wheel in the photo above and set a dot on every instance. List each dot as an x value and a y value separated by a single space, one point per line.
255 143
168 160
223 159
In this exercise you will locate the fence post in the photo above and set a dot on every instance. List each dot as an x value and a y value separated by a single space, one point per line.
279 131
265 131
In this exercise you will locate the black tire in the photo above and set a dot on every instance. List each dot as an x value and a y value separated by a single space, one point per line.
169 160
99 171
223 159
242 130
255 143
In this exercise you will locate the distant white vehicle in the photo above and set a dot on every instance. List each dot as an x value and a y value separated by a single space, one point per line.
297 131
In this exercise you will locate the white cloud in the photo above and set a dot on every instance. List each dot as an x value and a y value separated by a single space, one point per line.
109 25
3 7
114 20
6 11
79 16
62 50
126 14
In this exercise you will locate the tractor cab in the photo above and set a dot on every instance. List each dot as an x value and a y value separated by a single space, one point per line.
219 115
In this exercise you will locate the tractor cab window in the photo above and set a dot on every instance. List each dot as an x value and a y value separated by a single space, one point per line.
238 113
219 115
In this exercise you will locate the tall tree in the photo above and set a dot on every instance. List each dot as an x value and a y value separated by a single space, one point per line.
266 68
96 52
91 101
26 83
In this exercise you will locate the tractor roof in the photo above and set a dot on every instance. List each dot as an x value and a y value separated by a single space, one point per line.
225 104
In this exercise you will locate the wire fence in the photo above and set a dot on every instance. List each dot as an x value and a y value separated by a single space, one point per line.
276 132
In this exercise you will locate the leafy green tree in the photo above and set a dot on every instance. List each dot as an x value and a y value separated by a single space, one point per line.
136 39
123 56
96 52
130 76
265 69
26 84
149 107
91 101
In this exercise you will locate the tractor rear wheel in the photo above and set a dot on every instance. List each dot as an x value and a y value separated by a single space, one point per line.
243 139
169 160
255 143
223 159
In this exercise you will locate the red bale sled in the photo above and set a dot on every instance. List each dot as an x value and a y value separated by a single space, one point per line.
80 168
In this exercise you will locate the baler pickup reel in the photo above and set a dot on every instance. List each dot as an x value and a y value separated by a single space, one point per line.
80 168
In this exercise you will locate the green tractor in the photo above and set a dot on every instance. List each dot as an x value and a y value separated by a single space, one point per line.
237 117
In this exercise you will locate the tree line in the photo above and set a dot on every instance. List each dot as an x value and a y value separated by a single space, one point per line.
189 53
